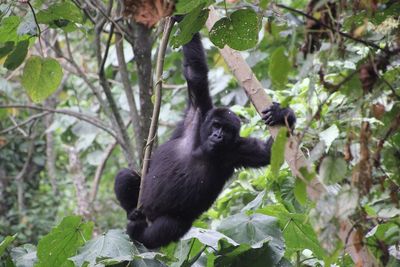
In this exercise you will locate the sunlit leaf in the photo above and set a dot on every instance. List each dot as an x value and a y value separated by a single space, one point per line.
333 169
63 241
278 152
239 31
279 68
191 24
24 256
41 77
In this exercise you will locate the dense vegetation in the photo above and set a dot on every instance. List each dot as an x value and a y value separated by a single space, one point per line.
76 98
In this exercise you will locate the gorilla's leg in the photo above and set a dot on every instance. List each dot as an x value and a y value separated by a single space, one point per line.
126 187
159 233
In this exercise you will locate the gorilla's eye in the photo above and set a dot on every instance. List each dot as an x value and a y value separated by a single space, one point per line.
216 124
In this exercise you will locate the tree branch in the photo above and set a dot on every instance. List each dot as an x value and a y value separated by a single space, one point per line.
294 157
80 116
157 93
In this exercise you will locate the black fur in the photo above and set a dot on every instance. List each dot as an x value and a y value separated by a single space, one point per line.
188 172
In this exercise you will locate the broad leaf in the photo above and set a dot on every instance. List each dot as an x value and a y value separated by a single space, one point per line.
329 135
297 230
239 31
8 29
24 256
112 245
6 48
17 56
186 6
278 152
300 191
279 68
63 241
254 230
64 10
333 169
41 77
191 24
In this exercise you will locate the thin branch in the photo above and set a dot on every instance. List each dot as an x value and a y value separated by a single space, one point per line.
349 36
294 157
100 169
80 116
116 116
28 120
123 70
37 25
169 23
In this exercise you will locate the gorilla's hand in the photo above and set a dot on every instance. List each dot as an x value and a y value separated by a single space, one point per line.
275 115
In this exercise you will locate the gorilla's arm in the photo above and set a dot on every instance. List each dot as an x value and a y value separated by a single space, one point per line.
196 74
252 152
255 153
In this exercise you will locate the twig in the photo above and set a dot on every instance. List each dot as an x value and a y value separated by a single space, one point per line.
367 43
99 171
83 117
123 70
294 157
157 93
28 120
37 25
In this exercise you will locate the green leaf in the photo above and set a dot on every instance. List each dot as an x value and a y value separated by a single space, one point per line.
6 48
332 170
8 29
239 31
191 24
279 68
63 241
207 237
111 245
17 56
300 191
329 135
297 230
41 77
24 256
65 10
244 255
254 230
186 6
6 242
278 152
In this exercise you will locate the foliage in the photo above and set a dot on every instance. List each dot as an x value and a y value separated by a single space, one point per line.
338 71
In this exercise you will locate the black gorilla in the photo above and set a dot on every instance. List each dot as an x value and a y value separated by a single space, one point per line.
188 172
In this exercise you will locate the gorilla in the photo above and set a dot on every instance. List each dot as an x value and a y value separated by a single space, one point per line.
187 173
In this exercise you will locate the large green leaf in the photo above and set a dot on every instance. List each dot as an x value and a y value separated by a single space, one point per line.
241 255
63 241
6 48
333 169
111 245
24 256
191 24
297 231
278 152
239 31
254 230
8 29
41 77
186 6
6 242
279 68
17 56
64 10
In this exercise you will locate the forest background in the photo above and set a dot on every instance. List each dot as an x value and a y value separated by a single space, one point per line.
77 94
